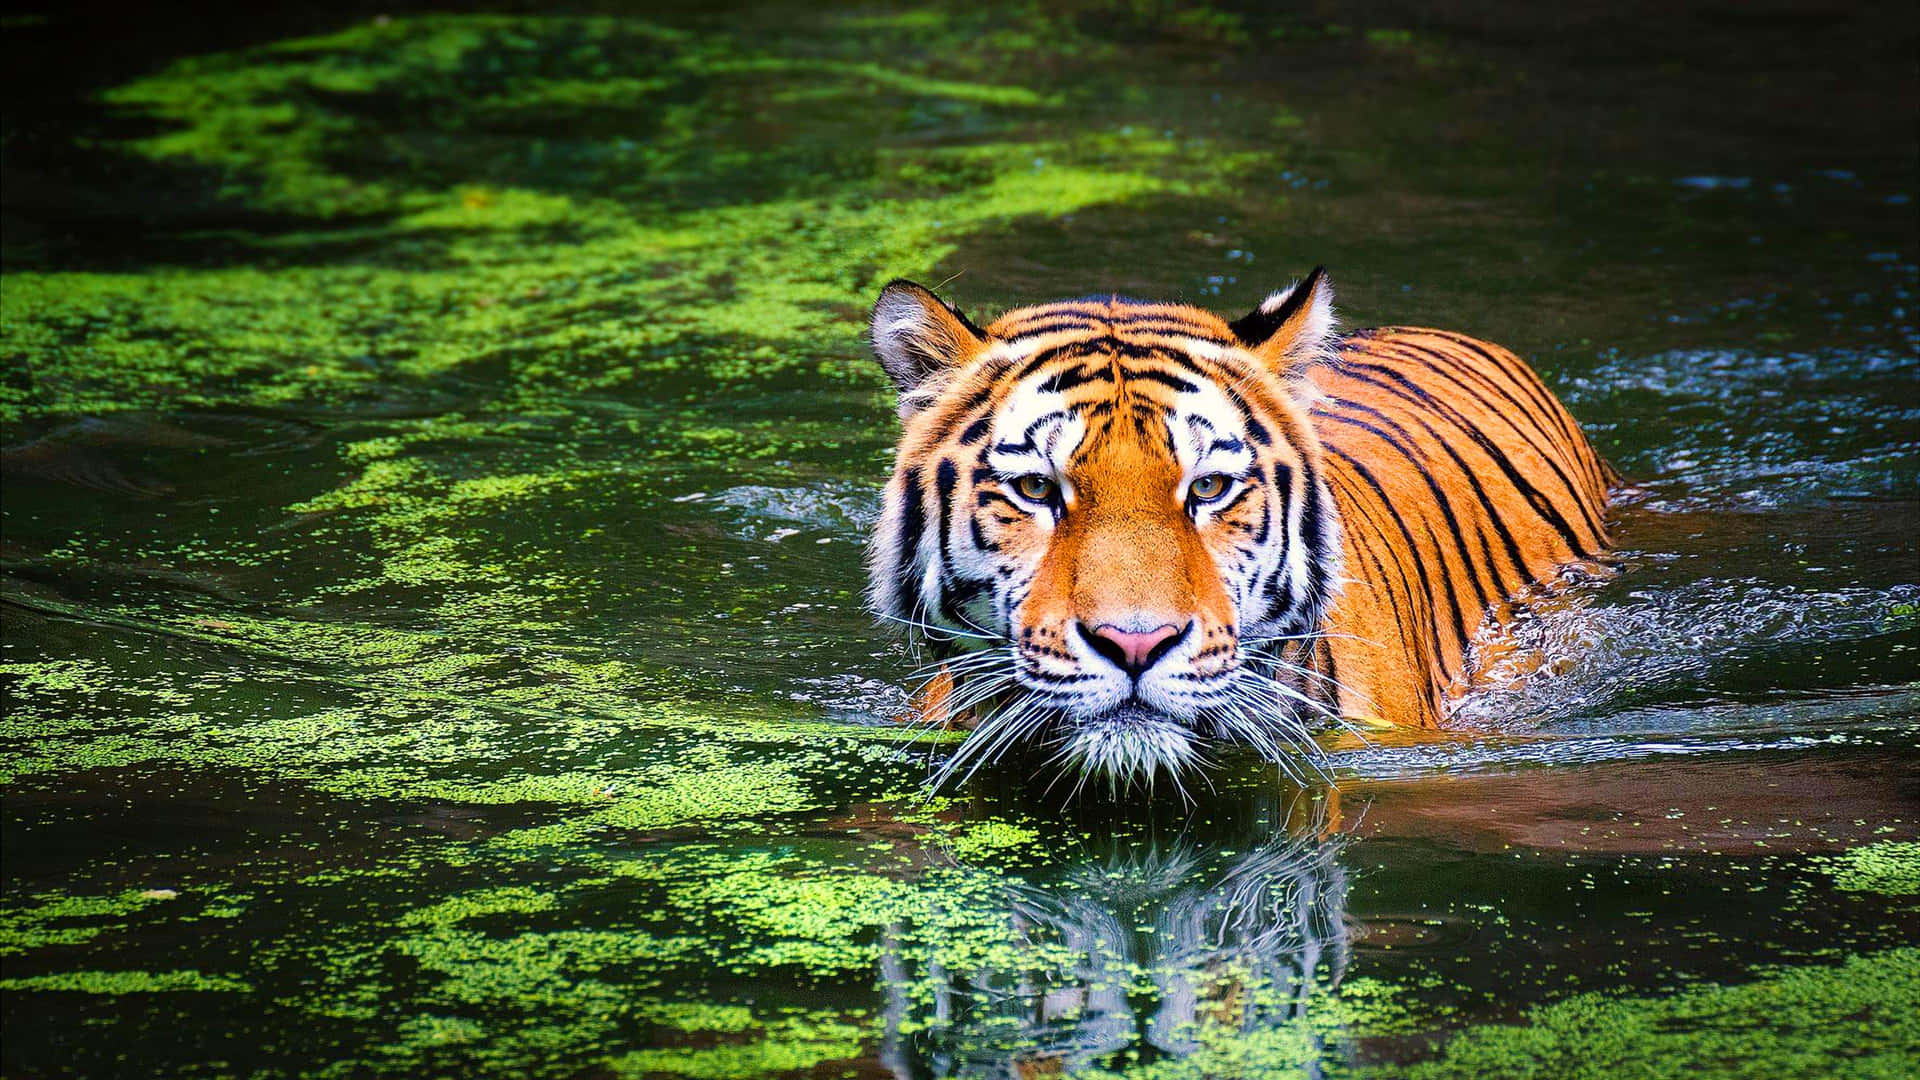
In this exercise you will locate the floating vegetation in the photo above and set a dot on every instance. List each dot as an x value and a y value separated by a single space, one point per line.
1892 869
1854 1019
439 450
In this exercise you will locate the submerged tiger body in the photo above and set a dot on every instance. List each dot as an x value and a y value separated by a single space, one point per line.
1136 529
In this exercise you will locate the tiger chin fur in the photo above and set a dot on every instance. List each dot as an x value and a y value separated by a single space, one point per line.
1135 531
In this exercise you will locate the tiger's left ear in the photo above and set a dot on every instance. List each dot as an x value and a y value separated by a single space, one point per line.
920 339
1293 327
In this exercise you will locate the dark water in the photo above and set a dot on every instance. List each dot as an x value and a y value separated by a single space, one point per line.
439 449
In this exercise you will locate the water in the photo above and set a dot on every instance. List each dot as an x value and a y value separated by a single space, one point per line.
439 450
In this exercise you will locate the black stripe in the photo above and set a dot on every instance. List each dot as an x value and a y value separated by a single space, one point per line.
1529 381
1047 356
1051 324
1563 438
1255 428
974 402
1134 351
1026 444
1522 572
1323 653
1313 518
957 595
1408 636
1413 546
1541 503
1160 324
980 540
945 477
1551 459
913 521
1281 603
976 430
1163 378
988 498
1304 599
1072 377
1034 673
1407 450
1181 359
1267 507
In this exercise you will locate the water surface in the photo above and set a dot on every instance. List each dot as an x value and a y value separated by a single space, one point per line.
438 451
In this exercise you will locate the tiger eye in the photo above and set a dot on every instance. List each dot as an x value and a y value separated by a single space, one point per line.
1035 487
1210 486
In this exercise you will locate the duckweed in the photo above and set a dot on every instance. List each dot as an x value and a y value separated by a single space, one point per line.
68 920
1892 869
125 982
1860 1018
434 629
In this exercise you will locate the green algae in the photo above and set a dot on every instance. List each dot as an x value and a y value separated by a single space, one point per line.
507 814
69 920
1891 869
570 291
124 982
1857 1019
370 743
790 1047
506 900
698 789
415 712
1005 843
500 976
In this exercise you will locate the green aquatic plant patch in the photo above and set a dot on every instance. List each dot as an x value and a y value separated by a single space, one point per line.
1891 868
1855 1019
435 497
572 262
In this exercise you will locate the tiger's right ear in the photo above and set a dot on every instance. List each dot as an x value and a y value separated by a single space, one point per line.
919 338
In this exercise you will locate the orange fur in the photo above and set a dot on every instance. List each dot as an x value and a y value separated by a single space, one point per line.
1402 630
1459 483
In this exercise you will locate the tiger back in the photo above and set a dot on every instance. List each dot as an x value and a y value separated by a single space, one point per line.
1463 485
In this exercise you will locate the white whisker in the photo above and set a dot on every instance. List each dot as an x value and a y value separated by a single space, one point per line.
935 630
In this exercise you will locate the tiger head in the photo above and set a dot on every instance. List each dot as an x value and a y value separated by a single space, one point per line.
1109 516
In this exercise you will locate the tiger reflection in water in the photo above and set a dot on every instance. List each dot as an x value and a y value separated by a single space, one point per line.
1143 951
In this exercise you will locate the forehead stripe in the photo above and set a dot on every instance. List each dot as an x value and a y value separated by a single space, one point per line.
1026 445
1149 375
1143 325
1072 377
1048 326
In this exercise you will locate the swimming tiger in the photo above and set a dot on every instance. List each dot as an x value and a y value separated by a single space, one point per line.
1133 531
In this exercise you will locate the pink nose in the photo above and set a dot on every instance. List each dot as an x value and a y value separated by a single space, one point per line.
1132 651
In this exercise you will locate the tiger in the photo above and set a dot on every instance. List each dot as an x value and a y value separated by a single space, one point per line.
1136 534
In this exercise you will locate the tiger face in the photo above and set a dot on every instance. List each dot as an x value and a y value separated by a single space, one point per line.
1109 517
